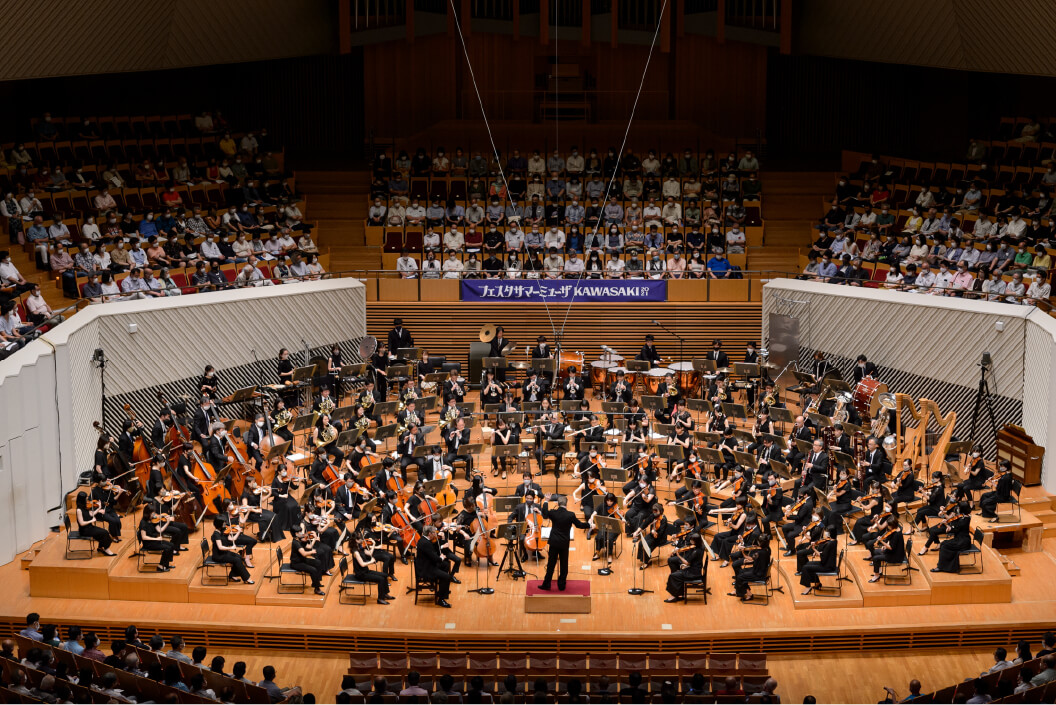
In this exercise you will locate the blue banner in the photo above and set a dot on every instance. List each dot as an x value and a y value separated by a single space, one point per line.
538 290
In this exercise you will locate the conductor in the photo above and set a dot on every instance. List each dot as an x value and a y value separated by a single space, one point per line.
561 523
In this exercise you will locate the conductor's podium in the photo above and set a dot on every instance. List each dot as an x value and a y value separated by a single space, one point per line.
575 599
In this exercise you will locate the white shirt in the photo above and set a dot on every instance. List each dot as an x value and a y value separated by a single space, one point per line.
942 282
554 239
408 265
9 272
453 268
90 231
210 250
574 265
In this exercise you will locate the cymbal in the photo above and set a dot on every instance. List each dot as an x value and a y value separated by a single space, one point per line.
723 370
519 365
487 333
507 350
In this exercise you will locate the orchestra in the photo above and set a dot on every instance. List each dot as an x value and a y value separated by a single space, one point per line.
356 495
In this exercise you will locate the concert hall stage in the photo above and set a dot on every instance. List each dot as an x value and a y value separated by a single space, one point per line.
867 616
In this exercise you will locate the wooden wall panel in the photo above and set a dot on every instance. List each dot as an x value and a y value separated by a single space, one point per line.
721 86
446 330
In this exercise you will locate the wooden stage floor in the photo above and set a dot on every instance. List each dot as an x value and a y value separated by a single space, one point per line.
935 611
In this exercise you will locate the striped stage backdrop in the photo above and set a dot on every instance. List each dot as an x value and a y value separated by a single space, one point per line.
949 397
144 402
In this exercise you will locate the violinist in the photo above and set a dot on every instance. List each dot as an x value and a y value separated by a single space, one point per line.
774 500
651 536
604 540
362 559
935 500
251 497
960 525
166 503
152 529
429 565
156 478
320 524
254 438
591 485
455 439
804 543
639 468
101 461
877 527
821 558
87 513
975 475
285 371
1002 491
234 519
686 564
106 494
797 517
225 550
842 496
573 388
490 389
688 468
739 485
872 503
755 567
453 389
735 523
527 485
889 547
905 485
208 384
303 559
502 436
161 427
639 503
287 511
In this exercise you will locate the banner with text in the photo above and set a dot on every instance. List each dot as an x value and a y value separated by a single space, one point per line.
562 290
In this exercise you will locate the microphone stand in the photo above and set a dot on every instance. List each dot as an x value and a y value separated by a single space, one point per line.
681 340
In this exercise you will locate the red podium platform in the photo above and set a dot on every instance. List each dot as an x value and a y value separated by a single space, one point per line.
575 599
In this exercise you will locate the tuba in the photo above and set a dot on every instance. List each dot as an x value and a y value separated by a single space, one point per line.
841 414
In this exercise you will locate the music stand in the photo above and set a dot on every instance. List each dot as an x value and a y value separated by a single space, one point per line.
278 450
568 405
736 411
433 487
638 365
303 374
349 437
836 384
746 460
383 433
804 378
511 533
544 364
613 407
426 404
707 437
554 447
671 452
358 369
745 436
491 363
819 420
780 469
614 475
385 408
805 447
703 365
409 353
842 459
609 525
505 505
436 377
710 455
398 371
240 395
781 415
850 429
303 422
343 413
531 406
652 403
746 369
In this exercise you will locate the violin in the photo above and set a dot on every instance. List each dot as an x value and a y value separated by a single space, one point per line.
232 530
160 518
94 504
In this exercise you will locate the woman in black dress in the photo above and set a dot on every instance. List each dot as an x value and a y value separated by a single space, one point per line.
225 550
303 559
151 537
975 477
87 514
889 547
287 511
821 559
333 367
363 559
950 549
209 385
285 372
724 541
654 533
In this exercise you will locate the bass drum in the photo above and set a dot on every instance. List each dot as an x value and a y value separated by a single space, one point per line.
570 359
688 378
867 396
654 377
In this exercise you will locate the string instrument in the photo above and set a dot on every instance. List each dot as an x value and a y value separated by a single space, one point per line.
860 503
793 509
365 461
484 547
141 453
732 519
700 502
236 455
533 534
332 477
835 490
815 546
427 508
408 535
94 504
161 518
184 436
232 530
395 483
111 456
612 512
805 534
447 495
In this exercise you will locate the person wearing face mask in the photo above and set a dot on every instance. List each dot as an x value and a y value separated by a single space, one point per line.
210 251
121 260
975 475
943 281
994 287
1015 289
254 438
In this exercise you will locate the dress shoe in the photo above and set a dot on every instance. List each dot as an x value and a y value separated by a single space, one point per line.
443 603
403 559
456 581
382 602
673 599
319 591
544 587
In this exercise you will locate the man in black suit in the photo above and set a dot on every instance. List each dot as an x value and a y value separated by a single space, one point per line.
498 344
429 565
800 432
411 439
542 351
863 368
527 486
455 439
816 465
876 463
649 352
561 523
399 337
594 433
202 419
535 388
554 431
255 435
161 427
453 389
573 388
721 359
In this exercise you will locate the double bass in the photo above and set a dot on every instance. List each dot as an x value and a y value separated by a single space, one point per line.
142 452
236 455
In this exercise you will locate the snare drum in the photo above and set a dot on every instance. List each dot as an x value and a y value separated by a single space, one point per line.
598 370
654 377
867 396
570 359
688 378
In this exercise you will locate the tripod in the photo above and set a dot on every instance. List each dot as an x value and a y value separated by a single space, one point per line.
982 396
635 590
511 553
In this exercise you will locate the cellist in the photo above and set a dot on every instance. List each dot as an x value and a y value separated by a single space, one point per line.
529 511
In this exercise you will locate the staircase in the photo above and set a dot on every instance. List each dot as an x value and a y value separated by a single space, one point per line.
791 204
337 205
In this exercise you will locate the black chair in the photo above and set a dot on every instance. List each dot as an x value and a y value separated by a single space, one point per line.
208 563
76 554
699 587
836 589
421 586
286 570
769 588
976 553
905 569
358 590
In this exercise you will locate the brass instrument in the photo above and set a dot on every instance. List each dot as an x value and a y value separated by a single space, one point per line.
769 400
406 397
841 414
816 401
449 417
363 422
282 418
671 390
326 436
366 400
327 405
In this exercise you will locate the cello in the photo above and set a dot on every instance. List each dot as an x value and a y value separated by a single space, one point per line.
236 455
483 545
533 533
409 536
